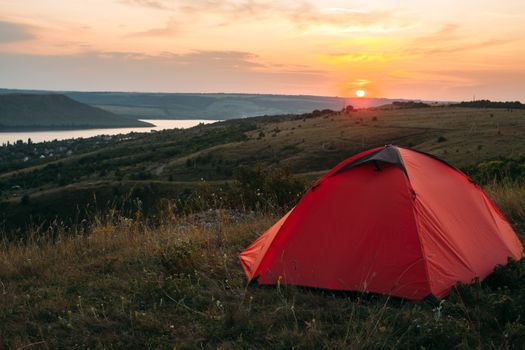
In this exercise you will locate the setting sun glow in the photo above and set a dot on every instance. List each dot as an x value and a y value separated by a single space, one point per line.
390 49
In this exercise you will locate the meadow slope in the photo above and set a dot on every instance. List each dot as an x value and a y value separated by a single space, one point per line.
179 285
134 277
170 163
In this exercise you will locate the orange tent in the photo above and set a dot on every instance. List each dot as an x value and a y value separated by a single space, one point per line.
389 220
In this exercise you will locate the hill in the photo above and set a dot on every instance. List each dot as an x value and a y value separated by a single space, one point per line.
490 104
172 164
403 105
204 106
54 111
219 106
140 247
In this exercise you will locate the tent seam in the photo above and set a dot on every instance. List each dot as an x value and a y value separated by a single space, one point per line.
417 225
422 248
255 276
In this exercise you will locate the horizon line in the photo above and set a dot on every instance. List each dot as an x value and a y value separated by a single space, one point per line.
228 93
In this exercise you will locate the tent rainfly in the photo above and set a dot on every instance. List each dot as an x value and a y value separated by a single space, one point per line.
388 220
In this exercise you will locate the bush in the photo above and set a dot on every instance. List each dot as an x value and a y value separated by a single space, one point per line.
501 169
258 186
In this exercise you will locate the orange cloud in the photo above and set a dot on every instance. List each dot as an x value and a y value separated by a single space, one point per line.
409 49
303 14
13 32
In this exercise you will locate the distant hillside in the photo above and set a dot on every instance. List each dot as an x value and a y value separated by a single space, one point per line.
210 106
216 106
54 111
490 104
403 105
204 106
172 164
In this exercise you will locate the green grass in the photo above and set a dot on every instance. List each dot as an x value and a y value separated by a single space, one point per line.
310 144
121 283
153 275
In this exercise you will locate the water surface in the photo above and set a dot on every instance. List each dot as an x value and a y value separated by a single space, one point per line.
50 135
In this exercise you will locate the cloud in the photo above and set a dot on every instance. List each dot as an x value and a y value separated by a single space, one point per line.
362 56
448 40
448 32
156 4
460 84
202 71
232 10
223 59
13 32
74 45
485 44
445 41
303 14
234 59
171 28
348 19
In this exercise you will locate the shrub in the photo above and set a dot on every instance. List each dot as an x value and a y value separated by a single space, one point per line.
258 186
501 169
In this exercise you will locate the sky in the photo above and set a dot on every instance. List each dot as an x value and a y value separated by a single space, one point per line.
433 50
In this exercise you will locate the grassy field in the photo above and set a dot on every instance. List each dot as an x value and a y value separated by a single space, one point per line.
119 262
122 284
177 161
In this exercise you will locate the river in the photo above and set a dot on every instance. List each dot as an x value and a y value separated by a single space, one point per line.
50 135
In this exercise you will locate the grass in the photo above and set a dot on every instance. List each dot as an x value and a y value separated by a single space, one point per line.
306 144
510 199
121 283
169 280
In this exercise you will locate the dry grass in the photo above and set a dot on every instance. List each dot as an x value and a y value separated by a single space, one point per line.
510 198
124 284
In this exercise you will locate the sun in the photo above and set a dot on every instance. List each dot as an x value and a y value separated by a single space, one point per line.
360 93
